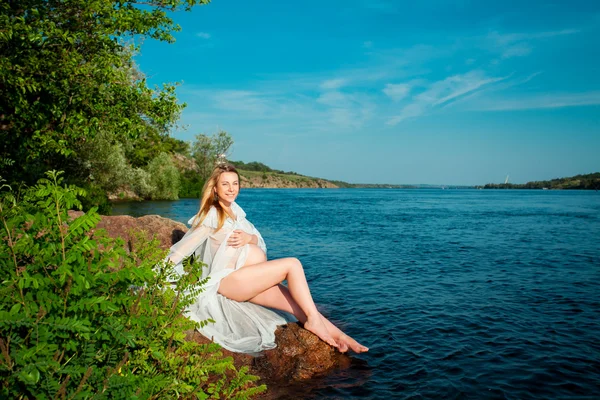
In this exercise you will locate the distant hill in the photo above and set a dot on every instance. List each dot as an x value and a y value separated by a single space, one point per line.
258 175
580 182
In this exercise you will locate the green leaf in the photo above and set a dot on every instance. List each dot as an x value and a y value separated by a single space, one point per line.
15 308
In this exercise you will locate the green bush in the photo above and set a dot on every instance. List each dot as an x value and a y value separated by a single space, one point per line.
80 317
95 196
164 177
141 183
191 185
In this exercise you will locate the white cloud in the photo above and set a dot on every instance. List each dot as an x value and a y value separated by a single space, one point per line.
518 50
345 109
443 92
367 44
203 35
396 91
336 100
509 38
520 44
538 101
333 99
333 83
253 103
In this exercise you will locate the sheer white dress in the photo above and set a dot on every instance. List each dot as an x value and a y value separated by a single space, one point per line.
242 327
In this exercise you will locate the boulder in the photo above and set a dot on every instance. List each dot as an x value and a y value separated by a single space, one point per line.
299 354
165 230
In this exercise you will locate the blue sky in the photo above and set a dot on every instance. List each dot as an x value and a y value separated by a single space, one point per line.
435 92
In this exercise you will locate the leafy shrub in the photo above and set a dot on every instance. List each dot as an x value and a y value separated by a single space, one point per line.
80 317
191 185
96 197
141 183
164 177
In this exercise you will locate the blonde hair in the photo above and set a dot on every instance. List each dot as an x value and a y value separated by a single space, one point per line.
209 198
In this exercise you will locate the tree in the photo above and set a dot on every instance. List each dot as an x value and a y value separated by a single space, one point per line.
67 75
164 178
206 150
221 143
202 153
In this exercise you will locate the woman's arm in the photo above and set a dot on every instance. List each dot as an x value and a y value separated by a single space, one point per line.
189 243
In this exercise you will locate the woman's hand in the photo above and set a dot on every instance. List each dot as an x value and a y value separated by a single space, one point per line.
240 238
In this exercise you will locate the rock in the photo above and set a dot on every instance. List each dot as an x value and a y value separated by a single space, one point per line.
299 355
167 231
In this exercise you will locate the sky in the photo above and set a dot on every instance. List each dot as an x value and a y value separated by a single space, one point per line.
400 92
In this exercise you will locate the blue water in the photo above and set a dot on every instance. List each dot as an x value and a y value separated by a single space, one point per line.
458 293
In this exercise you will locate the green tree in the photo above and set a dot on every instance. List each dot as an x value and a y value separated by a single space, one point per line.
202 153
164 178
206 150
67 76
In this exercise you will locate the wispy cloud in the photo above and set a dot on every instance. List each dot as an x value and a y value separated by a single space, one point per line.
521 44
442 92
333 83
396 91
538 101
296 112
392 85
509 38
203 35
254 103
518 50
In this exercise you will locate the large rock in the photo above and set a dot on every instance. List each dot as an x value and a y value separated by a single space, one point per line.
299 354
165 230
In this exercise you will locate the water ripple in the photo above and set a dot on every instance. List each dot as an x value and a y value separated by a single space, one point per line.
460 294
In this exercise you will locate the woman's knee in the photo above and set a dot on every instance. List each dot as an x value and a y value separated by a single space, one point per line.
294 263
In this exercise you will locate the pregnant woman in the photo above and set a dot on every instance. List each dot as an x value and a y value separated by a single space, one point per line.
242 283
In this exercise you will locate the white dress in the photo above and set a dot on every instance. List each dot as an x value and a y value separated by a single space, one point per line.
242 327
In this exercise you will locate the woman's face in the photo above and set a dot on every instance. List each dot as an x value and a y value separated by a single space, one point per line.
228 187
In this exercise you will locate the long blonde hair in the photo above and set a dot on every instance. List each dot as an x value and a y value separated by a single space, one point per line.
209 198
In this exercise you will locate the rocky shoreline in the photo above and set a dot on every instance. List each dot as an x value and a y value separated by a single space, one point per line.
299 355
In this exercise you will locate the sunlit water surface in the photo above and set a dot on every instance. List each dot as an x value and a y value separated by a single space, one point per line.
458 293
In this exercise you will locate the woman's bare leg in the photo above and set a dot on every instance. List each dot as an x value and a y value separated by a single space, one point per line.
249 281
280 298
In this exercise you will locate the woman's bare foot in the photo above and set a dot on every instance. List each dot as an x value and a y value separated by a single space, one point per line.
342 345
353 344
318 328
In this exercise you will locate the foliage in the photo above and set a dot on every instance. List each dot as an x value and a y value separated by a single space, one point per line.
67 77
172 145
260 167
95 197
80 317
141 183
206 150
585 181
191 184
164 177
106 162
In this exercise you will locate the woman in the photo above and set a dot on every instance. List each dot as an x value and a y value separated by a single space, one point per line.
241 280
